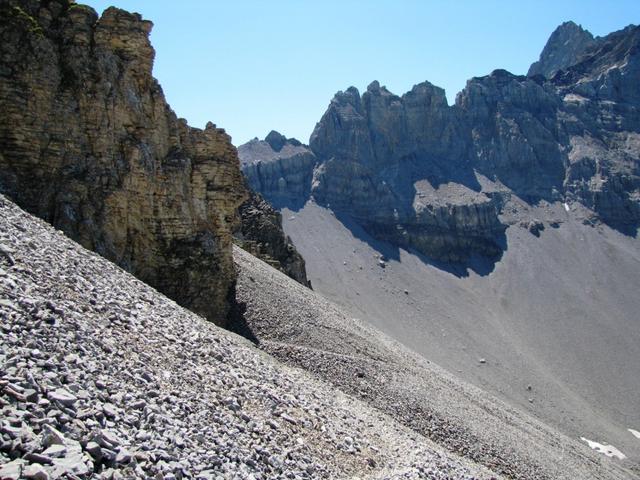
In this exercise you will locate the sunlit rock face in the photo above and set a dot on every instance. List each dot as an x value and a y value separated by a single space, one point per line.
563 49
88 142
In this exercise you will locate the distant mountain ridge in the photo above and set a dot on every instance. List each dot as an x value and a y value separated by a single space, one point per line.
565 46
439 178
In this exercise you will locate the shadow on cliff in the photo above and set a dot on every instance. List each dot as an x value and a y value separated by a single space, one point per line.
293 204
627 229
236 321
482 265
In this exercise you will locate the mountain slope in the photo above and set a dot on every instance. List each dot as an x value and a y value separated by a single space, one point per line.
497 237
304 329
565 46
555 323
103 377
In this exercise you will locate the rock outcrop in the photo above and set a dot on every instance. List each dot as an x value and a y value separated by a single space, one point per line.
279 168
88 143
382 157
261 235
443 179
565 46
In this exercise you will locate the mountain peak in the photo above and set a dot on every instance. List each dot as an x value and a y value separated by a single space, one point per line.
276 140
563 49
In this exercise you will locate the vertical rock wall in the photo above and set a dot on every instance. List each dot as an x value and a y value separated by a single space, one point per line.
88 142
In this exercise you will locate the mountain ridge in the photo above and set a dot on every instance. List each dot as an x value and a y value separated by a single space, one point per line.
506 135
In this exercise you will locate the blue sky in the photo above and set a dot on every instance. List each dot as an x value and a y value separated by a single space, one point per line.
251 66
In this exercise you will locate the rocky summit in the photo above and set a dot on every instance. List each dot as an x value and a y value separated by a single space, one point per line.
441 179
565 46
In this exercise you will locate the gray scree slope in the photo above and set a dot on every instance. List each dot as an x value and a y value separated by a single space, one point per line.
103 377
304 329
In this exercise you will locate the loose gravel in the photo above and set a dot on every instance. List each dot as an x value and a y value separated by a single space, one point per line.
103 377
303 329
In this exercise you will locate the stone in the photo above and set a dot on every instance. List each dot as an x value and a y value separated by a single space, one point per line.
72 463
54 451
63 397
52 437
93 449
123 456
12 470
35 471
110 410
107 439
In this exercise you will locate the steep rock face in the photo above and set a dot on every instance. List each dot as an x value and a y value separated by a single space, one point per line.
88 142
601 102
512 121
380 153
563 49
413 170
279 168
261 235
573 138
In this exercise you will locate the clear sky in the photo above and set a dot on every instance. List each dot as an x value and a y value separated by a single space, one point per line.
251 66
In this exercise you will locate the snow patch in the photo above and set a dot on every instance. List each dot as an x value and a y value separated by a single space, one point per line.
566 207
635 433
608 450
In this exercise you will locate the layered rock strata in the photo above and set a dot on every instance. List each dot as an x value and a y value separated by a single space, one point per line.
569 132
279 168
88 143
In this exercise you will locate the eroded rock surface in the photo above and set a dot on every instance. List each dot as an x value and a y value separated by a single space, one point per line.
279 168
565 46
88 143
261 234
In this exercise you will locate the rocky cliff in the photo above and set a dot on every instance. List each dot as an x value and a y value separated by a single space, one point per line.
448 180
260 233
390 161
279 168
88 142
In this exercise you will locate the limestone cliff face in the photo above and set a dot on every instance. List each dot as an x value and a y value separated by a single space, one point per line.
512 122
279 168
88 142
413 170
388 162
